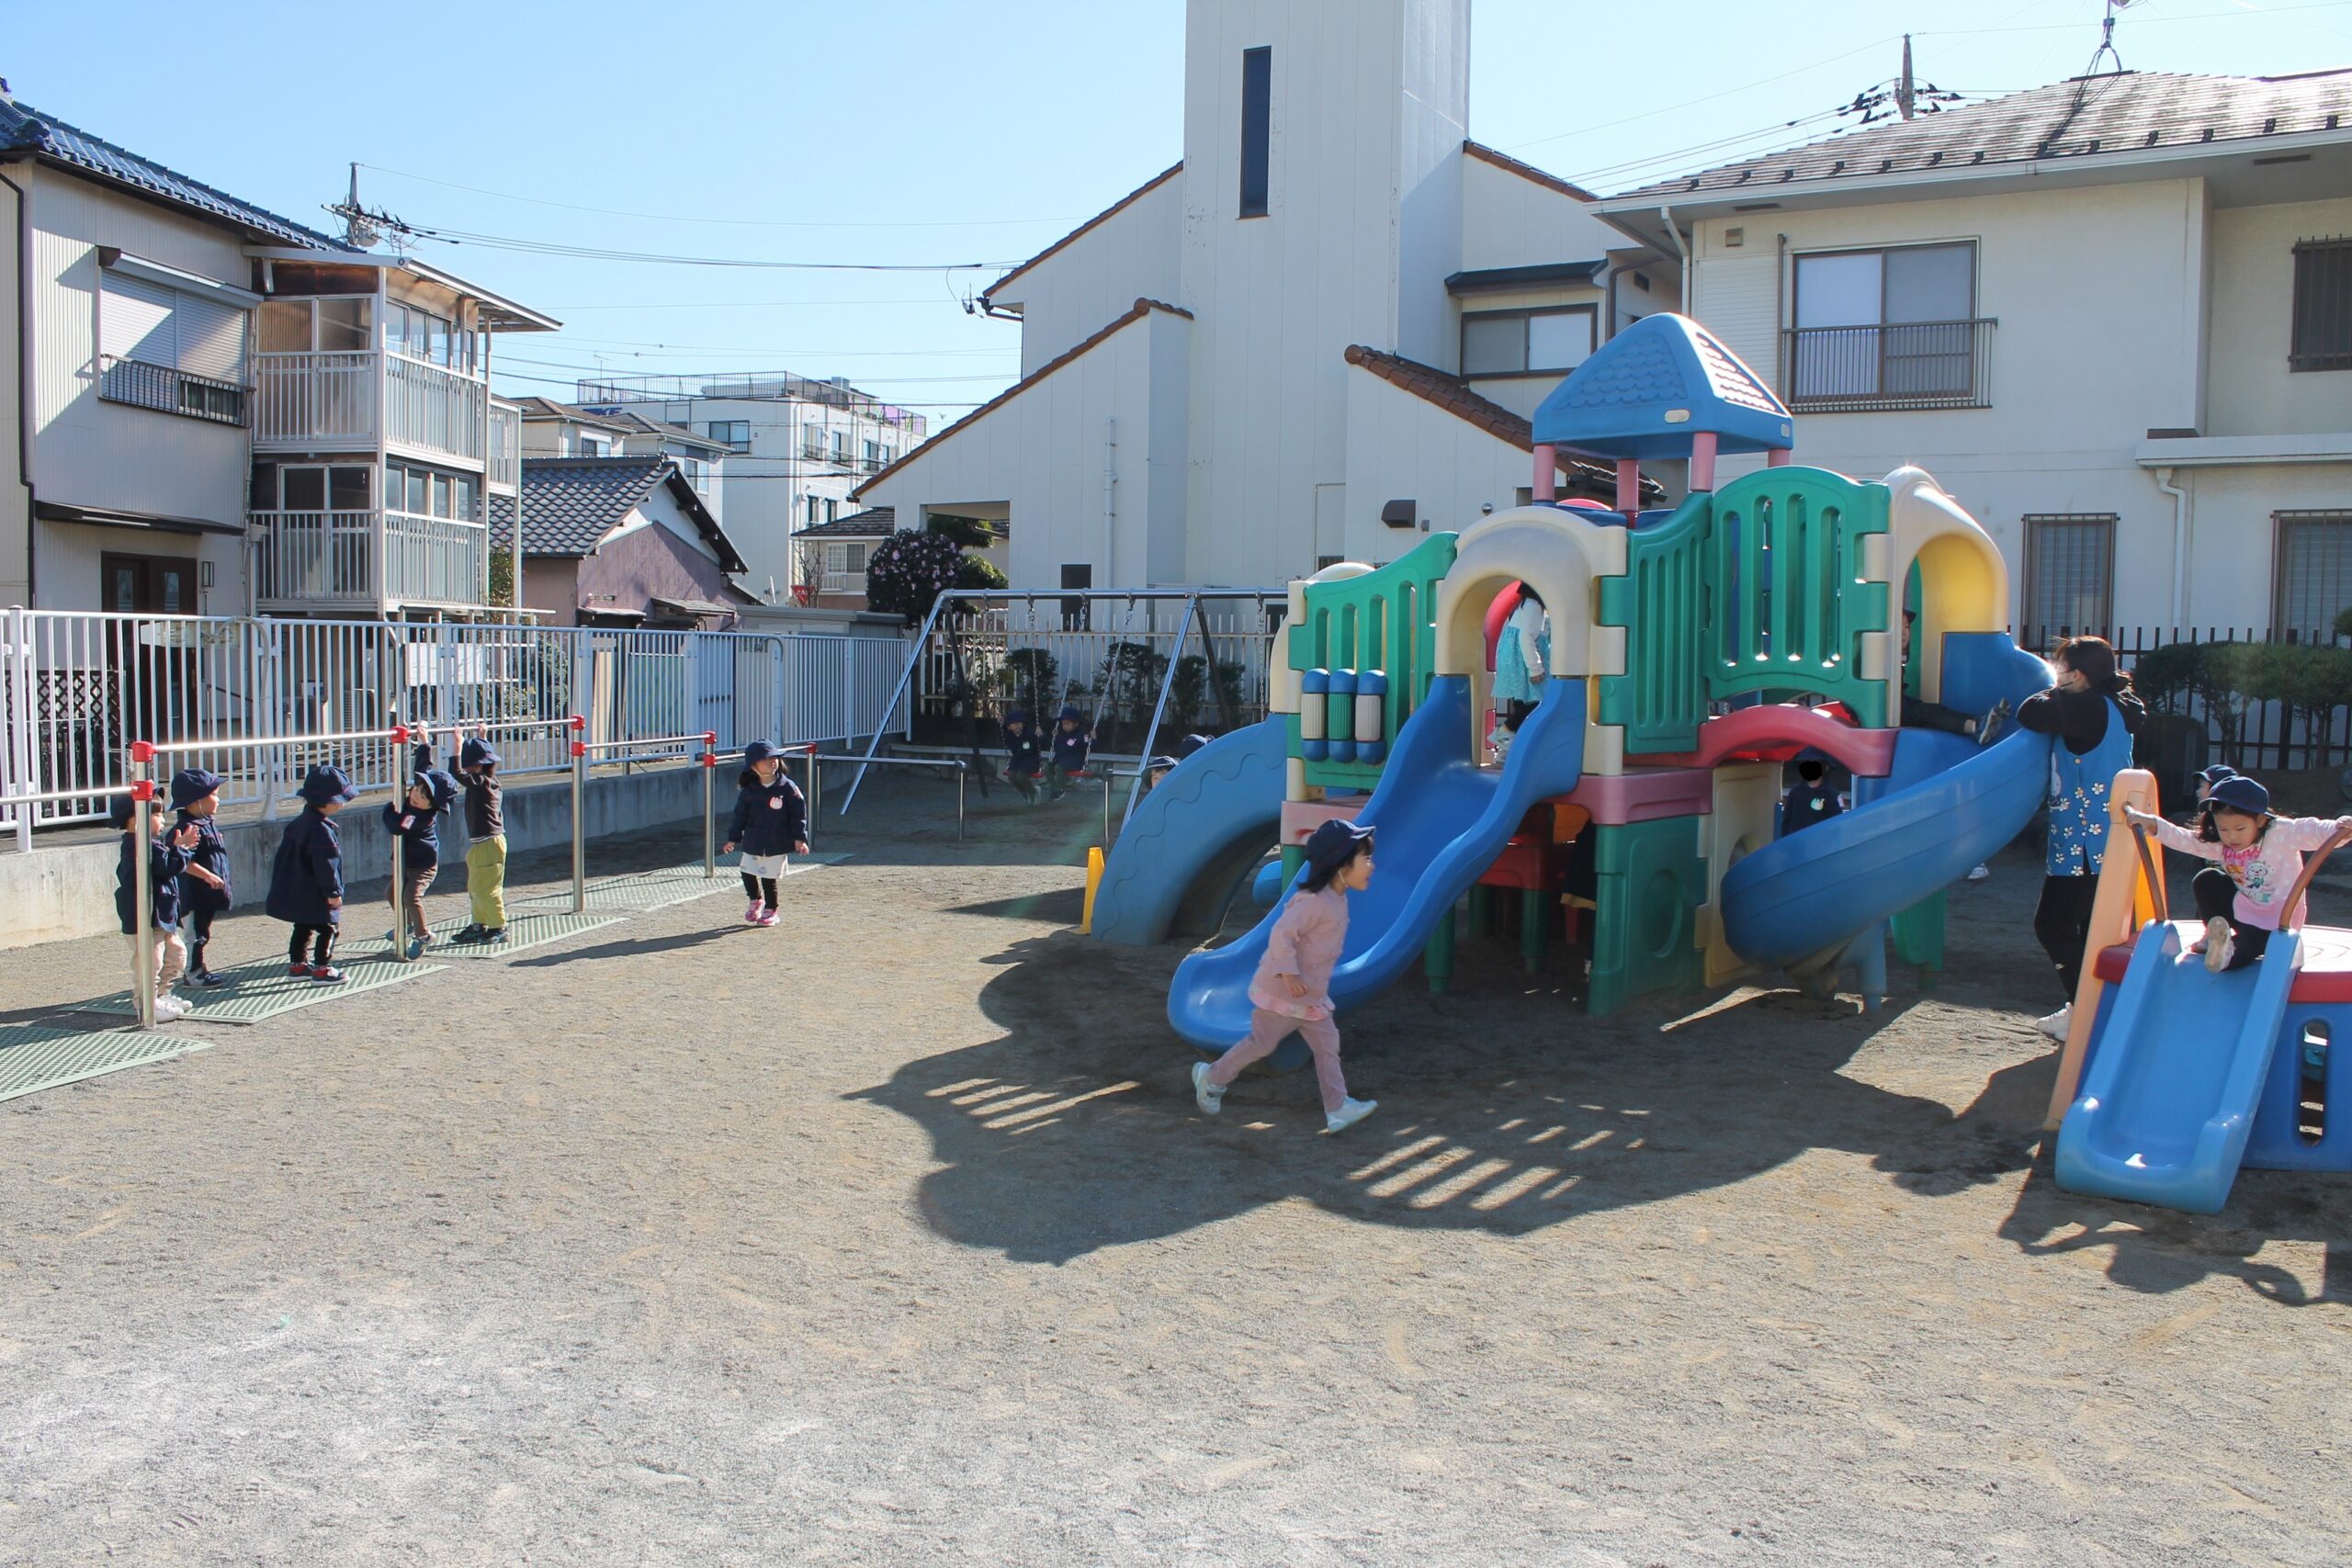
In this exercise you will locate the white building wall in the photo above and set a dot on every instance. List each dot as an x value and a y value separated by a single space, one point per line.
1510 220
90 453
1403 447
1097 278
2252 392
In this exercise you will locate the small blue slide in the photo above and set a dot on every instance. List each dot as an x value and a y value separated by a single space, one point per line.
1194 841
2165 1107
1441 821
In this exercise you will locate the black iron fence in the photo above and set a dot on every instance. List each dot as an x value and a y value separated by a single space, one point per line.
1895 365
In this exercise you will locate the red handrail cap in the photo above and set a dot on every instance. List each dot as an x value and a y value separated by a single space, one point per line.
580 748
142 752
143 789
579 721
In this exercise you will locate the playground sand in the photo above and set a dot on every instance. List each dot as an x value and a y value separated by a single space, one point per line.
892 1236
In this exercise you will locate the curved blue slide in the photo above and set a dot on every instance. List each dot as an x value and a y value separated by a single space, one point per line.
2165 1107
1193 840
1441 822
1947 805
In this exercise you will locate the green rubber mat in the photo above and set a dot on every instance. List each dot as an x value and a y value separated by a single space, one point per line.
256 991
639 892
33 1057
534 929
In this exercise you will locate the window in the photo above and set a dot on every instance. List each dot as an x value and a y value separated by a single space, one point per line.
734 434
2313 580
813 440
692 467
874 459
2069 575
428 492
846 558
841 448
310 487
147 585
1074 615
812 511
172 350
2322 334
1257 129
587 443
1526 343
1888 329
832 511
421 334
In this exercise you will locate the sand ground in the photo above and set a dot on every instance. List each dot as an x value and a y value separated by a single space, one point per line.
892 1236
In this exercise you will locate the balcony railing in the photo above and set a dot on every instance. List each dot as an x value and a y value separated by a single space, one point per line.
327 400
308 558
841 582
1906 365
505 464
141 384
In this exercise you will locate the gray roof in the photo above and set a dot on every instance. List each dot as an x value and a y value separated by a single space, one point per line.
539 408
874 523
571 504
2111 115
27 132
666 431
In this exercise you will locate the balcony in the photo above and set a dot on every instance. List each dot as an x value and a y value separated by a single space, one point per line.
1905 365
322 400
371 561
159 387
505 466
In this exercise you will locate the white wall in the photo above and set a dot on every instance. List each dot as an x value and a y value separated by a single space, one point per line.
90 453
1401 446
1097 278
16 501
2251 391
1510 220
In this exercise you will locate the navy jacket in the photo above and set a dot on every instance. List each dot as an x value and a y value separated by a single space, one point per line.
212 854
164 864
418 831
1808 804
1024 751
486 796
1069 749
308 871
769 818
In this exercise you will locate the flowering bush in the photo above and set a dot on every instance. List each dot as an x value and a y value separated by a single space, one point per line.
907 572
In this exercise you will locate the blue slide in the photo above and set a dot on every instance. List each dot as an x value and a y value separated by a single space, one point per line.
1947 805
2165 1110
1194 841
1441 822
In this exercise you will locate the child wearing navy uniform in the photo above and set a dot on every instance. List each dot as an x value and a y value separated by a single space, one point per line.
1812 798
204 885
1023 750
166 858
1072 740
306 879
414 819
769 826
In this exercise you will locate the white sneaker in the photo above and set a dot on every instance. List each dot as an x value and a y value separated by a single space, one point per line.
1209 1097
168 1009
2221 945
1980 872
1350 1111
2057 1024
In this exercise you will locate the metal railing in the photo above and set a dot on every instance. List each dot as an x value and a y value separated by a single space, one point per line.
1897 364
311 397
170 390
440 410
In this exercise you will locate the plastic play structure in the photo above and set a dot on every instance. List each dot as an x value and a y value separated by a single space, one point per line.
1693 649
2172 1079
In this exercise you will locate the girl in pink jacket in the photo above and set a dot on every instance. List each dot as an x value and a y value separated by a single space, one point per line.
2242 899
1292 990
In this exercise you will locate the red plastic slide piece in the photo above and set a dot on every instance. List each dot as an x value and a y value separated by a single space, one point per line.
2325 977
1776 732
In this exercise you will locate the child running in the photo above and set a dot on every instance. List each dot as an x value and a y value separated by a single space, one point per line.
2261 857
204 885
1292 990
166 858
1072 740
769 826
414 820
306 879
1022 750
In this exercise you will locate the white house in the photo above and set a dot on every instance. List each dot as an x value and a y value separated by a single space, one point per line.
795 450
2112 315
1315 337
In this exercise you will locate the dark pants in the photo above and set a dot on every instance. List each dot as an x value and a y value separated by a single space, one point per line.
320 940
200 931
1025 783
2062 923
760 887
409 896
2217 895
1920 714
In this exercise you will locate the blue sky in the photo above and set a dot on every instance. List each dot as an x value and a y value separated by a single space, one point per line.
926 132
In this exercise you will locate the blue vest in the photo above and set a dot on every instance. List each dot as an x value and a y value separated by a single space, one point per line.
2079 787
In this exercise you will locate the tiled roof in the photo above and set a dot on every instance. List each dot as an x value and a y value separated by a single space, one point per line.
539 408
1485 279
630 418
27 131
2109 116
1509 164
1453 395
1100 217
571 504
1141 308
874 523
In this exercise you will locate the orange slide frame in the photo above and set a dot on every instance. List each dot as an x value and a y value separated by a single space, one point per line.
2122 906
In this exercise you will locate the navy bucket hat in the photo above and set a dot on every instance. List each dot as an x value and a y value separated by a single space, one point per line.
2241 793
760 752
324 784
122 810
1069 711
2216 773
1334 843
192 785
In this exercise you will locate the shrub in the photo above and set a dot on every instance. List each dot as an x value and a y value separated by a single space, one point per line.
1032 679
907 572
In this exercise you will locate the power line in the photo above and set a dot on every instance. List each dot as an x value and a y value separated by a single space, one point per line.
794 352
741 222
573 381
596 370
459 237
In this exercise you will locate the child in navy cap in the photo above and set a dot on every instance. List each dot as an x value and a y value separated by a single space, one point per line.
306 879
1072 740
485 825
770 825
1022 750
414 819
1292 990
166 858
2259 856
204 884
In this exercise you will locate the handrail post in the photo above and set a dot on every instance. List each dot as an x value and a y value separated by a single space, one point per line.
906 676
143 887
400 852
1167 680
816 801
962 775
710 808
578 825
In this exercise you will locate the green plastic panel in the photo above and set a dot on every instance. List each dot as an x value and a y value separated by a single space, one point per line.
1918 932
1788 609
1661 602
34 1056
1385 620
1652 881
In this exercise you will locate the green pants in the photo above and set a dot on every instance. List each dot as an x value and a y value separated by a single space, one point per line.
486 882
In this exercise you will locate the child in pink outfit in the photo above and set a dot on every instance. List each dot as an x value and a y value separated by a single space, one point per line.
2241 899
1292 990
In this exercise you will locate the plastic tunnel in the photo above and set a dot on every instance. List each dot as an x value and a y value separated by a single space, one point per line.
1194 841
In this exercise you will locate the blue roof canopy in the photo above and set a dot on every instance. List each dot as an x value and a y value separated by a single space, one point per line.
1646 392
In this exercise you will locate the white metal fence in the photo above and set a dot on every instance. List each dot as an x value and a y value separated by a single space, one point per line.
76 689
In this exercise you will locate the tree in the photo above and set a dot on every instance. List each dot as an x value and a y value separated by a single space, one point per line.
907 572
970 533
808 565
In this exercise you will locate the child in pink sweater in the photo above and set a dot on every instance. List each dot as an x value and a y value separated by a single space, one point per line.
2261 857
1292 990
